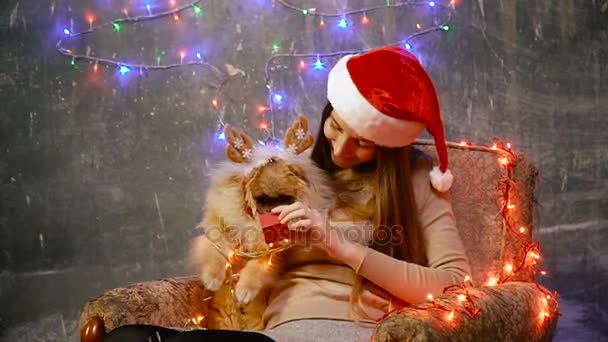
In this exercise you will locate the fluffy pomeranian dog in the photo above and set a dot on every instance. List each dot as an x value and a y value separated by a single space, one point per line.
255 180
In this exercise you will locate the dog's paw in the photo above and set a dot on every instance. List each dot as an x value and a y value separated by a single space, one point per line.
247 289
213 277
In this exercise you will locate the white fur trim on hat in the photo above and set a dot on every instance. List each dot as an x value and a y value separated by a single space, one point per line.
362 117
442 182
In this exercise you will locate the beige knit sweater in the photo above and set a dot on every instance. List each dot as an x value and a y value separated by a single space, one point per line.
316 286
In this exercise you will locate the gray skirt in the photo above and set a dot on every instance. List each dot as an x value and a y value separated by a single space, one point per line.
327 330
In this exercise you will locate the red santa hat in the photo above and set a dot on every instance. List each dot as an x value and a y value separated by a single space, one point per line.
387 97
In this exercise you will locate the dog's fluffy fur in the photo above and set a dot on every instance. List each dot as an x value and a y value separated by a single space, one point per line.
270 179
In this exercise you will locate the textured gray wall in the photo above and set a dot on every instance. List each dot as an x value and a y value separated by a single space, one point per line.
101 177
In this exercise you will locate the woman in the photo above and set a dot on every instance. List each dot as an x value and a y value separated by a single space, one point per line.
401 243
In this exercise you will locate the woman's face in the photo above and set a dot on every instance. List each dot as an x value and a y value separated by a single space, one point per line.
347 149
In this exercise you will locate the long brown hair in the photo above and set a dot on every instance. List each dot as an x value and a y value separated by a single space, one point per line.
397 231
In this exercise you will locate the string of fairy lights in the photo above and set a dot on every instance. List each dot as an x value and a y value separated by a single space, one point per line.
266 112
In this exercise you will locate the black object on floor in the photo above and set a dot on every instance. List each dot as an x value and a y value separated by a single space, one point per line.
147 333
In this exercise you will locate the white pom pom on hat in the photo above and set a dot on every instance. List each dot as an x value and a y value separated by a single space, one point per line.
387 97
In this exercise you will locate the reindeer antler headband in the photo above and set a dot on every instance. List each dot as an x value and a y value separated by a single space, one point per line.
240 149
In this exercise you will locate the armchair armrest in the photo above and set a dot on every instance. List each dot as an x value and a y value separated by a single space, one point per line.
175 302
512 311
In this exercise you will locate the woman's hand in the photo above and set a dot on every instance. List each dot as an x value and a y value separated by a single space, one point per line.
315 226
308 222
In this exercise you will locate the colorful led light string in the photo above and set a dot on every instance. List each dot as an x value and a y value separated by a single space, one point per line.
314 12
319 65
221 78
128 19
124 67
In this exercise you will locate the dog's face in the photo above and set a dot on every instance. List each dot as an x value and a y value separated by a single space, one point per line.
277 182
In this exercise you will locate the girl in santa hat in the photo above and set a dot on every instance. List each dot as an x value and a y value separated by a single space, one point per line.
379 103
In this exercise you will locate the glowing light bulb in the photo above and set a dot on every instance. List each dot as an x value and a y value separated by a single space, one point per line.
227 264
263 125
429 297
450 316
302 64
467 278
182 54
535 255
116 27
318 65
175 17
95 67
462 297
494 147
343 23
322 22
522 230
432 3
418 26
124 70
214 102
492 280
408 47
445 28
197 10
278 98
508 268
66 31
364 19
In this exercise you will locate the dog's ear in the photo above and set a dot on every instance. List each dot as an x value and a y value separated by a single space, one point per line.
240 145
298 172
297 137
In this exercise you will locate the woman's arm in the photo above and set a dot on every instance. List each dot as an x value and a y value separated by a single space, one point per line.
447 260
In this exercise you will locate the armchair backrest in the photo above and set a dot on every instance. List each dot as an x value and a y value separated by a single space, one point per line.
493 200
